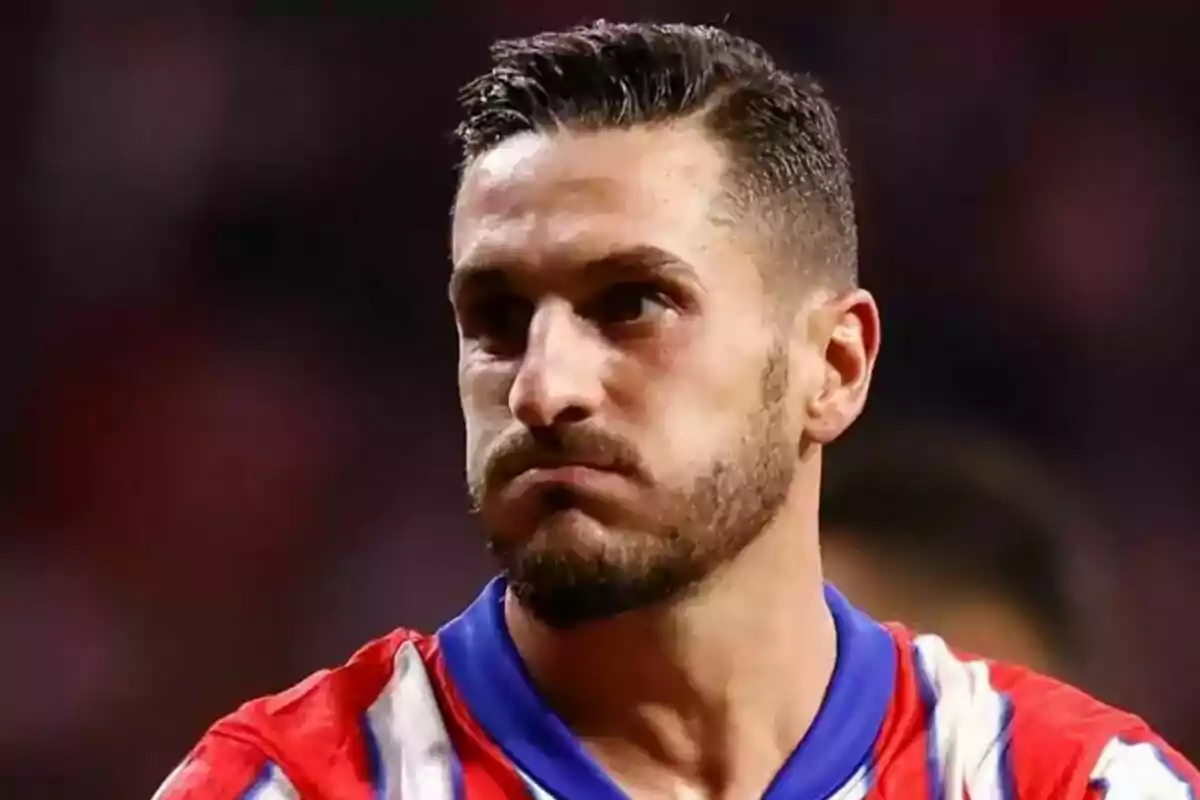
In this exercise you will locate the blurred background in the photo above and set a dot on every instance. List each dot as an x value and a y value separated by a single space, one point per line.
232 439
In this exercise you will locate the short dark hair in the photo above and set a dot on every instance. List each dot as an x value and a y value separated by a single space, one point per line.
970 512
779 130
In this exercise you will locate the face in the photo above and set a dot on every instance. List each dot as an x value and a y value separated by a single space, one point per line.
625 388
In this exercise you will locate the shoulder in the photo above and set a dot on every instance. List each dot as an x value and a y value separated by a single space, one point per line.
284 745
1005 732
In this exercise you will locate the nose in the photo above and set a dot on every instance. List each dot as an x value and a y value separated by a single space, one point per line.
560 380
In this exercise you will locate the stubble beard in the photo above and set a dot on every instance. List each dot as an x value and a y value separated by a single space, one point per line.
565 585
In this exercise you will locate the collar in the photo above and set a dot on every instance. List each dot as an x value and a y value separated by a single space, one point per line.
484 665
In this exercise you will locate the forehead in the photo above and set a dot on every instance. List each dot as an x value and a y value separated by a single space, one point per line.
565 196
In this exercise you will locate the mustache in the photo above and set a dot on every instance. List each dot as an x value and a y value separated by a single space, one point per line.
524 450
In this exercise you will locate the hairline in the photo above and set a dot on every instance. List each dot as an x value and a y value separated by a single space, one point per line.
738 204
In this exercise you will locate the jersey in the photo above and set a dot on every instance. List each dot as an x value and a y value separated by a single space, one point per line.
453 716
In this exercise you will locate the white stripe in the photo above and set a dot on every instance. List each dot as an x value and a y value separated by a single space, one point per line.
414 749
536 792
166 785
968 719
951 693
984 738
274 786
856 788
1137 772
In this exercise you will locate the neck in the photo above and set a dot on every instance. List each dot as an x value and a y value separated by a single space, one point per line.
708 694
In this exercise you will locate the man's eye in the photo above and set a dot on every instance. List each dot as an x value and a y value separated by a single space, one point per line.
629 303
499 323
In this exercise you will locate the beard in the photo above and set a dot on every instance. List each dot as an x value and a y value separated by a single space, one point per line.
573 569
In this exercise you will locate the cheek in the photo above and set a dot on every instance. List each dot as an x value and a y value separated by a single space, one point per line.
656 370
697 406
717 378
484 386
481 434
483 394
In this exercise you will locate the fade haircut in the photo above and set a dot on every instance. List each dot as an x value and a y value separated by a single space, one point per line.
787 163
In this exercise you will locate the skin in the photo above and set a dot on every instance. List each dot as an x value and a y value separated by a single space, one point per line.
644 436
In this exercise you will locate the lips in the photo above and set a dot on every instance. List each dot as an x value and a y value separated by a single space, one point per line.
581 481
547 467
566 472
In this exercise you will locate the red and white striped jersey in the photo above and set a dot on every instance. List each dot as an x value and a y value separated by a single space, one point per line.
453 716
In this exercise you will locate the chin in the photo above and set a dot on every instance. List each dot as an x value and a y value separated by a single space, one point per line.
562 525
575 569
569 535
576 530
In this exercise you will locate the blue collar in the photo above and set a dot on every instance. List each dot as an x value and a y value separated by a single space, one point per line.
488 672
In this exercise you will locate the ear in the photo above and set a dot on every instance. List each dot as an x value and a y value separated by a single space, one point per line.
850 335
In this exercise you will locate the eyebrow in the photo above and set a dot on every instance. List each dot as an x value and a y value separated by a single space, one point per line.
639 261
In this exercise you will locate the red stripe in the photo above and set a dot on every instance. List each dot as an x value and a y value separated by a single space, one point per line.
901 763
487 772
314 732
216 767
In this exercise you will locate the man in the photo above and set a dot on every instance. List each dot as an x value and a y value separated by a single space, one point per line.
660 330
963 536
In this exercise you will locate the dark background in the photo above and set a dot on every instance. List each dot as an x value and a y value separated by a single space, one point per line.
232 441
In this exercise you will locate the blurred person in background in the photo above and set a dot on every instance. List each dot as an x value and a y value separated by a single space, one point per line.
660 330
954 533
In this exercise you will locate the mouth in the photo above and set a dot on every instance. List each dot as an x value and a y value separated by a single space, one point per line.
577 480
547 465
565 473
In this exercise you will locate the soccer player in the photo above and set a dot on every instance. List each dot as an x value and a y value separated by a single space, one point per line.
661 329
963 536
